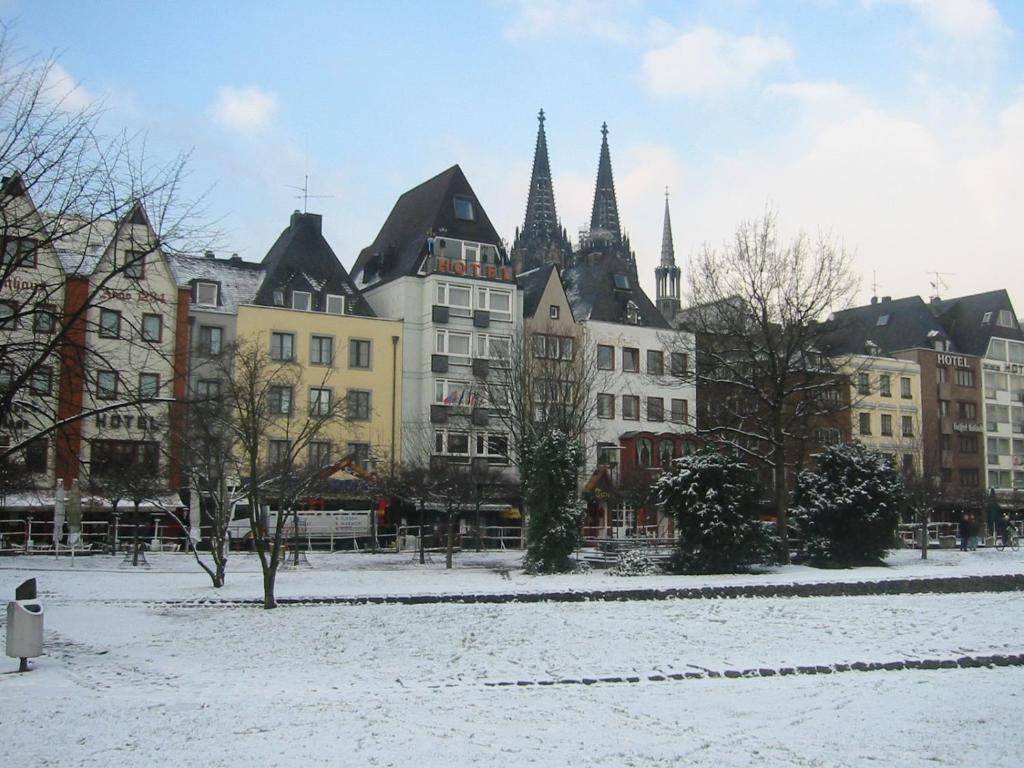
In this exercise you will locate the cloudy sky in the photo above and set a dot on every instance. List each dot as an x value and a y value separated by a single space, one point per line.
895 126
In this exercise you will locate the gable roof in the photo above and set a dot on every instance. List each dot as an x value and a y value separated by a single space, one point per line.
963 318
905 324
239 280
301 259
593 294
424 211
533 284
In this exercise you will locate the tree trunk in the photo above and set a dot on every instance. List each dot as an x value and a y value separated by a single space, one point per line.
924 518
135 536
269 575
450 548
423 558
781 509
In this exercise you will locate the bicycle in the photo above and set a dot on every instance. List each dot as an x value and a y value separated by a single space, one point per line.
1011 538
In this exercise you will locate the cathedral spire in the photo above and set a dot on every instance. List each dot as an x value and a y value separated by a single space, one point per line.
541 219
542 239
668 251
667 274
604 219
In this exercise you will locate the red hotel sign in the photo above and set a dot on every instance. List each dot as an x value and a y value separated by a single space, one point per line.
462 269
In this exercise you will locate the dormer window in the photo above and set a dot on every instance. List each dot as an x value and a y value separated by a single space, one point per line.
986 319
621 281
206 294
301 300
632 313
463 208
1005 319
882 320
335 304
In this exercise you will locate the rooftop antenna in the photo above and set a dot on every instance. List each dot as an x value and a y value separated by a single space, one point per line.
874 284
304 189
938 284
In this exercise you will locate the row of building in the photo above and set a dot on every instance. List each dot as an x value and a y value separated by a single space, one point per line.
408 337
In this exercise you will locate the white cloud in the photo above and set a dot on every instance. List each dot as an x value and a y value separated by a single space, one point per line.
246 110
603 19
958 19
60 88
705 60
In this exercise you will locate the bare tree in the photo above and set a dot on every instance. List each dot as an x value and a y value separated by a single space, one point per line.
271 444
547 381
757 308
67 190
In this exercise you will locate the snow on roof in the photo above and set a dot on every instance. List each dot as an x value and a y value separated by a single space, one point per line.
80 244
239 280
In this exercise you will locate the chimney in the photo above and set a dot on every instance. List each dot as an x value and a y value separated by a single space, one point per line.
235 259
209 254
874 299
886 299
309 220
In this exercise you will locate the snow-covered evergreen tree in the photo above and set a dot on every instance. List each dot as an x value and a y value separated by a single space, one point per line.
553 460
847 511
714 501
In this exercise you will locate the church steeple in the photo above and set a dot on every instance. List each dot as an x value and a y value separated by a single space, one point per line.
604 218
667 273
541 219
542 239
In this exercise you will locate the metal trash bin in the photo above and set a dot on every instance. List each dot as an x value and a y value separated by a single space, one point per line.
25 625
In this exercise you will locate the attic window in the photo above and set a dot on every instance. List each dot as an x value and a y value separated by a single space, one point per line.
463 208
206 294
301 300
278 298
621 281
632 313
335 304
883 320
986 319
1005 319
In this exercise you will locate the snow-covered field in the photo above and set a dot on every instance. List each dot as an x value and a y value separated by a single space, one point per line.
127 682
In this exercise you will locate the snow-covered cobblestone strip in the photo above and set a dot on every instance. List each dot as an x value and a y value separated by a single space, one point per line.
963 662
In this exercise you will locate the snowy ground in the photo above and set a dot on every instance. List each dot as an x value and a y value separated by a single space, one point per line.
125 682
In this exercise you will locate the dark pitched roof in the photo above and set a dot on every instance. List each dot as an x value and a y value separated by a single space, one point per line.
532 284
594 295
891 324
424 211
964 320
302 260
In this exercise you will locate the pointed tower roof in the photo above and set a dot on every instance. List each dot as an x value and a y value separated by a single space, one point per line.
541 218
604 219
668 251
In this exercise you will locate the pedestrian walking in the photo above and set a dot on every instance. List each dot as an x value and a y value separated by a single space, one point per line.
964 529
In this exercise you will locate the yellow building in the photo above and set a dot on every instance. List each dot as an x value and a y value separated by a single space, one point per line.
885 407
350 361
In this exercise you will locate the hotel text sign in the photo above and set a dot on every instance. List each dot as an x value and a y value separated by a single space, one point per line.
958 360
472 269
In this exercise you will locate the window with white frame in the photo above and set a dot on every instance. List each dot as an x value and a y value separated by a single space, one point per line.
335 304
457 298
553 311
495 300
493 347
455 393
453 344
448 443
301 300
206 294
492 445
320 401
